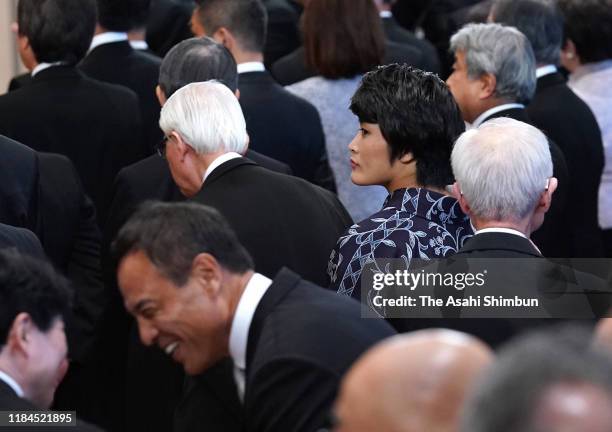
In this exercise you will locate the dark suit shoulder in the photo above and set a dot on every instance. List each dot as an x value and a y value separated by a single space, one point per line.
21 239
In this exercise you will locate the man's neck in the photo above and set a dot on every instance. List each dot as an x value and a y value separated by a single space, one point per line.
520 226
15 379
247 57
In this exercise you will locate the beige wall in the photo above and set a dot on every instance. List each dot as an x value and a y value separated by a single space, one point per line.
9 59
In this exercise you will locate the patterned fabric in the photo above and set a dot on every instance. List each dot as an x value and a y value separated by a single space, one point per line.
593 83
414 223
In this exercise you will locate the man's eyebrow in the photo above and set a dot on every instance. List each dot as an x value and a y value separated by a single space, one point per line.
141 304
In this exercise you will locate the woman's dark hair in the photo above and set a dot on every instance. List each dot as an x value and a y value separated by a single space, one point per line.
342 38
416 113
588 23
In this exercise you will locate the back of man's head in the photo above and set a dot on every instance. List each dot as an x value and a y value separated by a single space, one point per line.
245 19
57 30
197 60
503 52
548 381
502 168
539 20
208 117
122 15
416 113
412 383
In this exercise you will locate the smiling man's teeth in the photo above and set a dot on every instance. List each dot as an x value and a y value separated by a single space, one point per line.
170 348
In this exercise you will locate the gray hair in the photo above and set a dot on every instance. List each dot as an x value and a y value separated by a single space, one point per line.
540 21
507 395
503 52
502 168
197 60
208 117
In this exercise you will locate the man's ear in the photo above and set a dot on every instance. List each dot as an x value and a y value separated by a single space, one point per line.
488 84
225 38
161 96
465 207
547 196
206 270
181 145
20 334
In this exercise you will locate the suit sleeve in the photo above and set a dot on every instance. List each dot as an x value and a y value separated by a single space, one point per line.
290 395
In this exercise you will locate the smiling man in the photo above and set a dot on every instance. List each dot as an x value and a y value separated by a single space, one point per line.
193 290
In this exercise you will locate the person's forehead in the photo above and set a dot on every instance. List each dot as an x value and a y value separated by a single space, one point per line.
139 279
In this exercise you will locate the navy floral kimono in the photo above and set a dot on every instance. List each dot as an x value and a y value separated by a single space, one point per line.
414 223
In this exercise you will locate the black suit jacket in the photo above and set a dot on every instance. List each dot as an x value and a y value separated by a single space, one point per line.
95 124
119 63
9 401
568 121
285 127
292 68
22 240
302 340
396 33
552 237
291 222
283 34
20 81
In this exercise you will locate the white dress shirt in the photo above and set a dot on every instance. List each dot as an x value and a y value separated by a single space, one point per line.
139 45
545 70
220 160
42 66
251 67
507 231
106 38
11 383
386 14
239 333
482 117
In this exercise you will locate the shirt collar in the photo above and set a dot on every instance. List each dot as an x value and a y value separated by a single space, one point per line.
239 333
482 117
500 230
42 66
139 45
386 14
11 383
251 67
545 70
220 160
106 38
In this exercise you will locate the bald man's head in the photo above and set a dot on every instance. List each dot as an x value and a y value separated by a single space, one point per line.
413 382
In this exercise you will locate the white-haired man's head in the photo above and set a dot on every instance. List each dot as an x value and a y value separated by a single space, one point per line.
503 172
201 121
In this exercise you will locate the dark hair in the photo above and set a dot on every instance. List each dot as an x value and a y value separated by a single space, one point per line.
525 369
588 23
172 234
196 60
57 30
416 113
342 38
540 20
246 19
31 286
123 15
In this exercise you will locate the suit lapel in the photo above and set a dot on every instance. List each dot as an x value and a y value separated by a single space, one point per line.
284 282
514 113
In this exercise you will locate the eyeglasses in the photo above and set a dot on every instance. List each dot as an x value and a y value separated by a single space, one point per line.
161 147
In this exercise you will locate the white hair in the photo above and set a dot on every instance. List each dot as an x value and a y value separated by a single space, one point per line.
208 117
502 51
502 168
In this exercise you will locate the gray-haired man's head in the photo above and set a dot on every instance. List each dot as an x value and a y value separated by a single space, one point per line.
197 60
494 65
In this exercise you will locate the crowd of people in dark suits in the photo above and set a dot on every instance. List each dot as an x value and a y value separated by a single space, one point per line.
194 196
